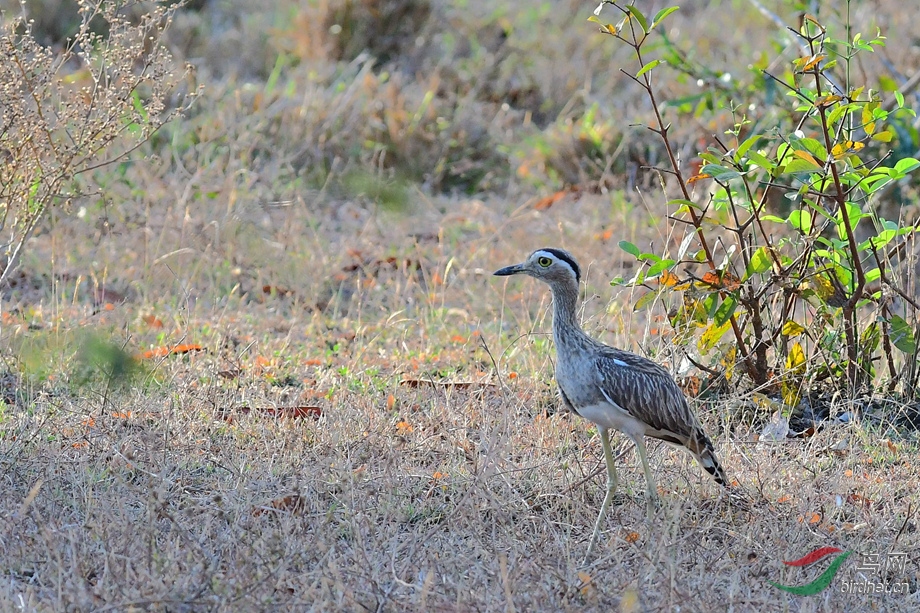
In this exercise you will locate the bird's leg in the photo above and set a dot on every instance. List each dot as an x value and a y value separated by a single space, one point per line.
611 488
652 495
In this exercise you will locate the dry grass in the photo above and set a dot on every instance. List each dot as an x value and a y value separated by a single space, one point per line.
255 233
442 497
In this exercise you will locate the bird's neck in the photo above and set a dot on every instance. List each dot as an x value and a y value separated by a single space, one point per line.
565 313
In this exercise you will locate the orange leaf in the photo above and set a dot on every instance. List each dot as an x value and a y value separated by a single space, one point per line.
452 384
698 177
812 62
631 537
691 385
544 203
313 362
153 321
799 153
160 352
391 402
512 375
404 427
293 503
848 473
725 280
668 279
784 498
456 338
277 290
296 412
438 475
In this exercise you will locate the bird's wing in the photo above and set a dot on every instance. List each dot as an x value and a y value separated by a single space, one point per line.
645 390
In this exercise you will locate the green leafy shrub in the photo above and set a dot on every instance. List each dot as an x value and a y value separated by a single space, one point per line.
808 291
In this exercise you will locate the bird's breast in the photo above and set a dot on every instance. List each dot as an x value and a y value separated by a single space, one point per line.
577 379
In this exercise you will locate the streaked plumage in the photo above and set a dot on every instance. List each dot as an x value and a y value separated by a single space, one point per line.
613 388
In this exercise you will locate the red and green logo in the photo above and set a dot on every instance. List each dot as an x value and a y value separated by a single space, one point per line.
823 580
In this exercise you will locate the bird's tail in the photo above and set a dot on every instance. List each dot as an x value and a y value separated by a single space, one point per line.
700 445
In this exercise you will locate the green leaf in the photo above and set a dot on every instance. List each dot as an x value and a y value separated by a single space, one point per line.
629 248
884 136
725 310
800 165
710 157
683 201
760 262
854 214
662 14
800 219
647 67
747 144
711 336
906 165
902 336
720 173
813 146
659 267
837 113
645 300
761 160
643 22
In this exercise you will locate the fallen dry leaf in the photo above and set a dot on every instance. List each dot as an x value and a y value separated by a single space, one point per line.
858 500
544 203
153 321
161 352
292 504
454 384
298 412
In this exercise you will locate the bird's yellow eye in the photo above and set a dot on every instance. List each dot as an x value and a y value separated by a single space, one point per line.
544 262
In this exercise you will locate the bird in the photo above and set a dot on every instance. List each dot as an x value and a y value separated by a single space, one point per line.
613 388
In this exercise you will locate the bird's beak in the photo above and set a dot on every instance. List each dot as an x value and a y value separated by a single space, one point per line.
507 271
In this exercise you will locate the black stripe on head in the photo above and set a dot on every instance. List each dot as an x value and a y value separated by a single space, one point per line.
566 257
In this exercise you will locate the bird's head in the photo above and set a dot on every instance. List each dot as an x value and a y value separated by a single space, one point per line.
549 265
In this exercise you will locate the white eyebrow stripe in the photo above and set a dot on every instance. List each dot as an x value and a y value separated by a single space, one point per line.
555 258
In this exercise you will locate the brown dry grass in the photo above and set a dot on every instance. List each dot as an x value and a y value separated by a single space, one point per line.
461 495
